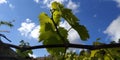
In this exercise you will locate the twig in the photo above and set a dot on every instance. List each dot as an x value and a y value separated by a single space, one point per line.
1 35
69 29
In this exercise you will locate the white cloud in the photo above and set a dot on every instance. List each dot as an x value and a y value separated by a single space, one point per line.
73 6
65 24
118 1
28 20
113 30
11 6
37 1
8 3
73 36
28 28
32 55
3 1
49 2
69 3
35 32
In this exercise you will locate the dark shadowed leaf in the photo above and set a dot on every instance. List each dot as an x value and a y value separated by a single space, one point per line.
74 22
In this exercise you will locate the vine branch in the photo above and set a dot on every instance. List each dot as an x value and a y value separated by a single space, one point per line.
91 47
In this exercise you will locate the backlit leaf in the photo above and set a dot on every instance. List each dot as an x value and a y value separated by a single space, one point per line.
54 39
57 16
46 24
56 5
45 19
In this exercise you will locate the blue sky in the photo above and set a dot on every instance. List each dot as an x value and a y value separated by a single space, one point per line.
101 17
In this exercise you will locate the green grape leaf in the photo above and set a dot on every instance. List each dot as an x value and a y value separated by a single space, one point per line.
57 16
45 35
48 27
51 35
69 16
100 54
114 52
63 32
46 24
56 5
106 57
82 31
93 52
45 19
82 53
29 51
73 21
54 39
24 53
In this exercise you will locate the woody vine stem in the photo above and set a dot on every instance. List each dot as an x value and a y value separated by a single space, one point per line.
62 38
